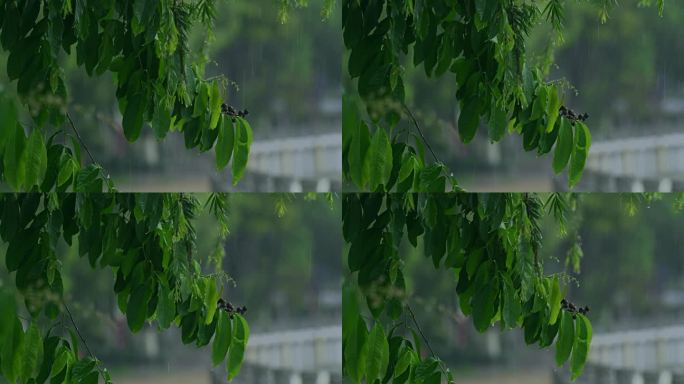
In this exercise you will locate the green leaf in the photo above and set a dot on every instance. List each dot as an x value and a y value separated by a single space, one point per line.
469 120
136 310
540 104
377 165
355 351
579 153
377 355
226 143
133 116
91 378
554 107
564 146
359 142
36 160
88 179
512 308
566 337
62 358
211 297
236 354
243 142
215 102
166 310
497 123
82 369
33 352
555 301
409 164
11 351
201 100
222 338
14 159
580 349
485 302
20 248
67 169
7 315
404 362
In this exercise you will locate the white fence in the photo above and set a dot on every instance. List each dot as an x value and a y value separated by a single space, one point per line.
636 164
295 164
635 357
307 356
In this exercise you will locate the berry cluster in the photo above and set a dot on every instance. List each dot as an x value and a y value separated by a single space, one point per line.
570 307
572 116
232 112
228 307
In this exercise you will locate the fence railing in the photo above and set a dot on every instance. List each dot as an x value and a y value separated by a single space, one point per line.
307 356
648 356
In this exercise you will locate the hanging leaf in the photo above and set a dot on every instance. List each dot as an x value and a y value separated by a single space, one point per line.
33 352
133 116
222 338
137 307
469 120
211 296
226 143
377 355
580 349
580 153
14 159
243 142
36 160
566 338
564 146
236 353
215 102
555 301
377 165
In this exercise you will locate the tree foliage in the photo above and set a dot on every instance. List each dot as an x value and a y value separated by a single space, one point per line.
144 45
490 243
147 241
480 44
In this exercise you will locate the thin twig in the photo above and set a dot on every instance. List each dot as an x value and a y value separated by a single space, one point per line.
80 139
71 318
415 123
432 352
413 317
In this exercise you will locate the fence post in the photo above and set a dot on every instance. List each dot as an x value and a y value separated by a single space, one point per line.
678 378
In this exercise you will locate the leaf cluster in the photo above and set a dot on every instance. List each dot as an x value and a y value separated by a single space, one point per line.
143 44
481 45
146 240
489 242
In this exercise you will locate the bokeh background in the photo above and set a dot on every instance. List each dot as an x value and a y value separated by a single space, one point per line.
285 72
283 254
631 276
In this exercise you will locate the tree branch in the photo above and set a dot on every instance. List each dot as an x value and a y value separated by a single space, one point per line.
432 352
420 132
80 139
78 332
